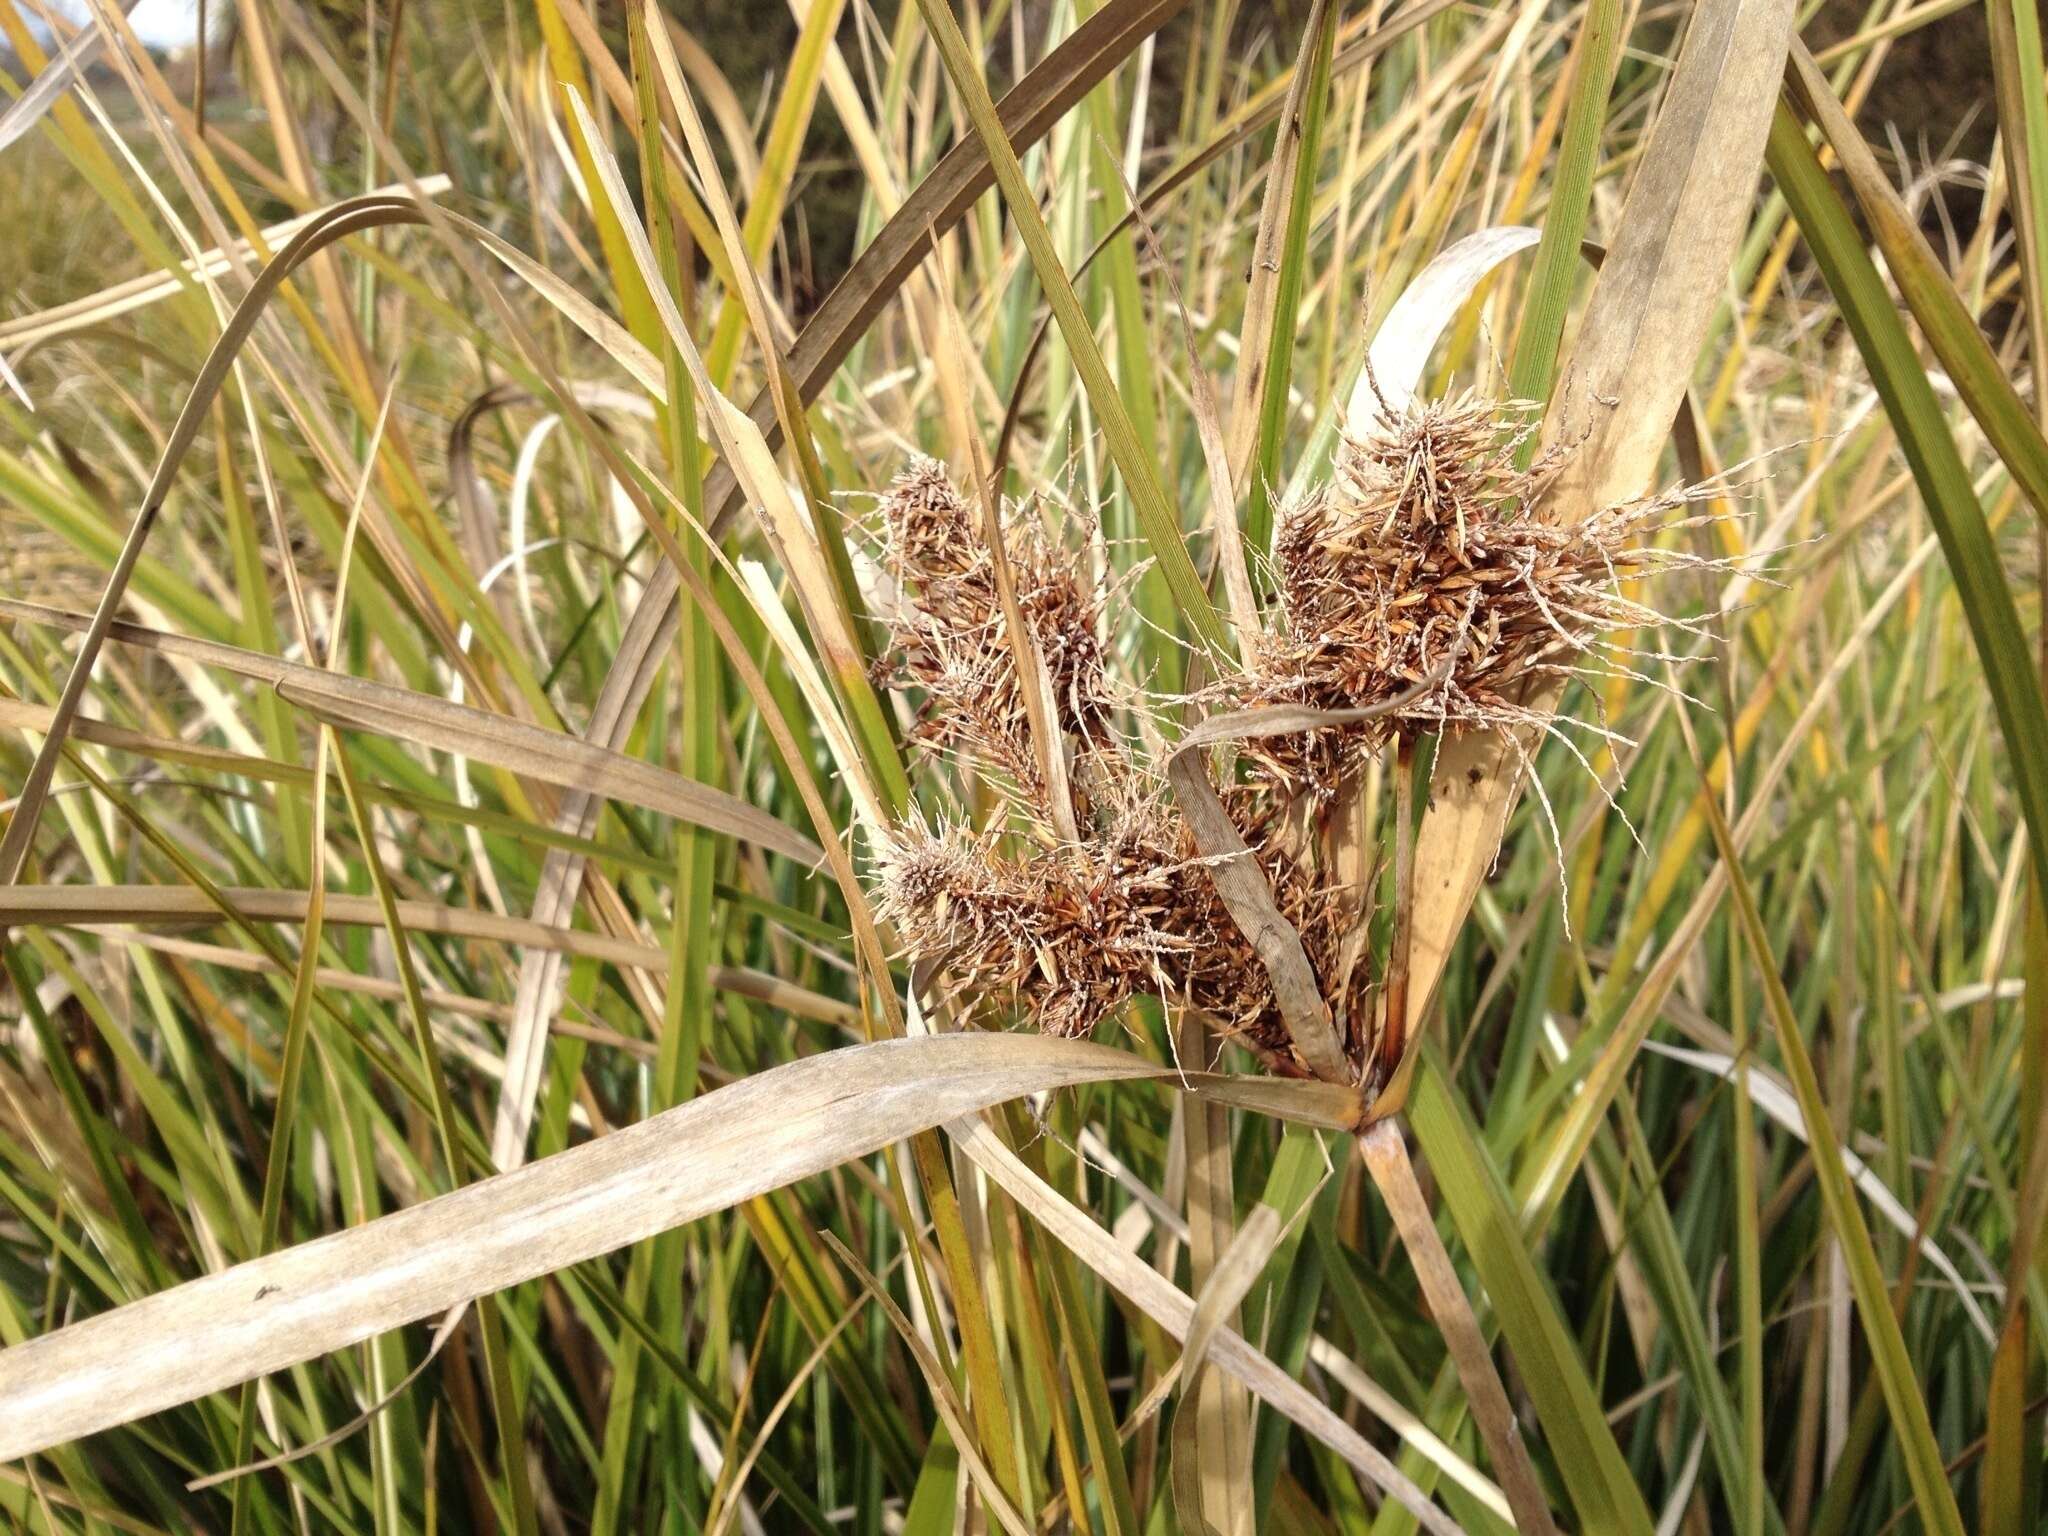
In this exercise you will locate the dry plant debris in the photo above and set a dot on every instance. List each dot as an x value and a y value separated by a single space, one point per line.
1424 572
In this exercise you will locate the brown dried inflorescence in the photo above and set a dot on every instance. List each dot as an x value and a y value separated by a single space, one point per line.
1426 575
1071 932
1067 931
948 635
1424 583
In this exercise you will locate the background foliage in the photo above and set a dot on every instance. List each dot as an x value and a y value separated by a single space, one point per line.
281 945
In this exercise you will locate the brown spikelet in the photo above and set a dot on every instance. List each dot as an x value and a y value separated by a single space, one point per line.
1427 567
1068 935
1425 575
948 634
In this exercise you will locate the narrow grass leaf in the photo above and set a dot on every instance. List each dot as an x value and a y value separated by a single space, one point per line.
1890 1359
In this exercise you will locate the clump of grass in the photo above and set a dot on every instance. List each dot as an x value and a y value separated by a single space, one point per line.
1659 1258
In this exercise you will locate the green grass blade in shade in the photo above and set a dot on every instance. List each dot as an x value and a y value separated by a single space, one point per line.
1930 449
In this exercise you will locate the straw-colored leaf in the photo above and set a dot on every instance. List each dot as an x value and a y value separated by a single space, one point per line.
1638 345
51 82
754 1136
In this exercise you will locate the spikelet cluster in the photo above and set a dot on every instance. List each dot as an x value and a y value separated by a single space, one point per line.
1066 931
1424 581
947 632
1068 934
1426 574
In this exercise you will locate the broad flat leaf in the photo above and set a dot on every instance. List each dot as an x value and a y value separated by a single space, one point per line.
756 1135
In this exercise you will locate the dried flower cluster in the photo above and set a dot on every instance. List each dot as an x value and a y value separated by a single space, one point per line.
1425 575
1068 930
948 634
1423 582
1072 932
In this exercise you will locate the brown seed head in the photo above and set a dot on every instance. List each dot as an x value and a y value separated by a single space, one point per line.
949 636
1067 935
1425 572
1428 567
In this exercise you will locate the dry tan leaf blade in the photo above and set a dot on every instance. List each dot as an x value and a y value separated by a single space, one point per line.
1663 274
743 1140
552 757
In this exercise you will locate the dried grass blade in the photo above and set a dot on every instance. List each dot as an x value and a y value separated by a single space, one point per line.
52 81
1228 862
1386 1157
552 756
757 1135
1401 347
1637 346
753 1136
1201 1482
1243 885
